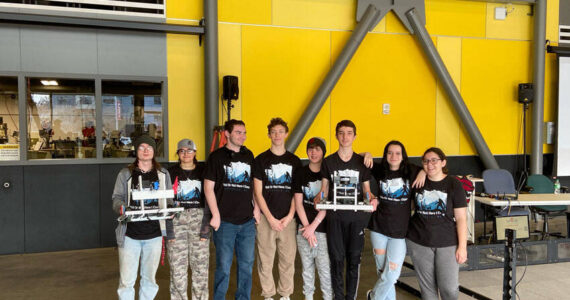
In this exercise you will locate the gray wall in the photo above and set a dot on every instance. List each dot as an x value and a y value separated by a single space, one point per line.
564 12
60 50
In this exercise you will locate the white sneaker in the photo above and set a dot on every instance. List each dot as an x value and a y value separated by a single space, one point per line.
269 298
284 298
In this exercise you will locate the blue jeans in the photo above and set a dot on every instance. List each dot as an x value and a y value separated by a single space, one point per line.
395 253
228 238
148 252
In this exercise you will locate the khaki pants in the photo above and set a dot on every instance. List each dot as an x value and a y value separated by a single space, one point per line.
268 242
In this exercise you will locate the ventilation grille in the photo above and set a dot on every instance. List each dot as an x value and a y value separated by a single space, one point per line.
564 34
151 10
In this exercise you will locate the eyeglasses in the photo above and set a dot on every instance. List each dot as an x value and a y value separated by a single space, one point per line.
430 161
143 149
182 151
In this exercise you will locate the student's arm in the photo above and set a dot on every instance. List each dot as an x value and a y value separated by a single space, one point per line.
461 225
366 190
212 203
258 192
298 199
420 177
289 217
368 159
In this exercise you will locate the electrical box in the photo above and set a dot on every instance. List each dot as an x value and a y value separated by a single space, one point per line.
500 13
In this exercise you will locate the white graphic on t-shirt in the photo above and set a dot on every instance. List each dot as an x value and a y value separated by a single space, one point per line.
310 190
189 189
394 190
432 202
279 176
238 175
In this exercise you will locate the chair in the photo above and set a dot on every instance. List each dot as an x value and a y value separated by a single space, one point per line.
541 184
500 182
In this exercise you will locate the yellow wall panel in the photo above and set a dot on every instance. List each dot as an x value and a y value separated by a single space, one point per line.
180 11
517 26
552 19
245 11
455 18
393 24
185 92
447 124
490 73
386 69
335 14
230 64
282 69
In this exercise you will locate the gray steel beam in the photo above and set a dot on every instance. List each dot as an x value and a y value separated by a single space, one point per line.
438 66
211 77
98 24
366 23
538 81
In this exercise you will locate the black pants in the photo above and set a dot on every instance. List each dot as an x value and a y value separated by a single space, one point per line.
345 238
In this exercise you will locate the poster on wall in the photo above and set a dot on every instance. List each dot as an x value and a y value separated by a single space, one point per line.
563 132
9 152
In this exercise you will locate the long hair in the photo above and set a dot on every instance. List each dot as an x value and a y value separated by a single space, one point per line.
155 165
403 165
440 154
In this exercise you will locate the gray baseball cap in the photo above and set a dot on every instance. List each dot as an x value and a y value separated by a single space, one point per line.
186 143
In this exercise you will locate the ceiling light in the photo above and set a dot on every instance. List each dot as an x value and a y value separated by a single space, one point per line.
49 82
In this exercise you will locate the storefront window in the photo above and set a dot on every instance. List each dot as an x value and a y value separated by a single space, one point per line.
61 118
131 109
9 119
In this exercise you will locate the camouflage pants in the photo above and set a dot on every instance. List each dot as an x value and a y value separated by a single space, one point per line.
188 250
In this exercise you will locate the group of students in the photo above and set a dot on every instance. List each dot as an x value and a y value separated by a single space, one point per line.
270 202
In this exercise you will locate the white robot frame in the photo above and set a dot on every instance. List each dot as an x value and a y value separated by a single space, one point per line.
345 196
161 213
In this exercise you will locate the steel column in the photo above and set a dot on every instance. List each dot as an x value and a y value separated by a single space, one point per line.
437 64
326 87
538 80
211 77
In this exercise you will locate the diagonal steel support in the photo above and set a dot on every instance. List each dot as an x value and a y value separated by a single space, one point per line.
412 14
422 36
366 23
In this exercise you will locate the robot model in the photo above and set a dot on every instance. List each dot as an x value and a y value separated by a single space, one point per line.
345 196
161 213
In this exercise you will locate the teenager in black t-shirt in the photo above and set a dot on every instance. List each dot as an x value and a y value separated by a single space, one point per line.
437 235
140 243
389 223
191 248
229 193
273 177
345 228
312 237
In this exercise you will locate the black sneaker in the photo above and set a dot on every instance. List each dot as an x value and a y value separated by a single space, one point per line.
368 295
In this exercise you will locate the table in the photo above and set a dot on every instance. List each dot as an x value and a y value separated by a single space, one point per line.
528 200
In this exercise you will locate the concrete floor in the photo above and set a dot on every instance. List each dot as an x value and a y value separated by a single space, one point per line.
93 274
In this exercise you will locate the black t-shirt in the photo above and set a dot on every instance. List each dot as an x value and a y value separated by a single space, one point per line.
276 173
187 185
308 183
394 201
433 223
143 230
351 173
231 171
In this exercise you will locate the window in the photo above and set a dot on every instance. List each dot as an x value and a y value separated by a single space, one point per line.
9 119
61 118
131 109
71 119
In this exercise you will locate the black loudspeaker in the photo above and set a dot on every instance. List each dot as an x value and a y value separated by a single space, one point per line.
231 88
526 93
